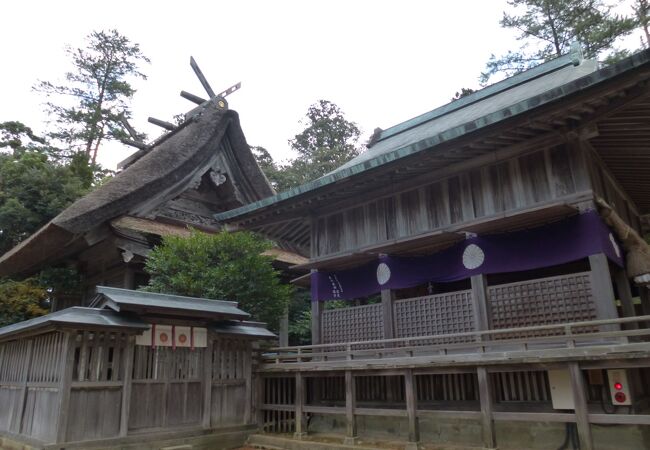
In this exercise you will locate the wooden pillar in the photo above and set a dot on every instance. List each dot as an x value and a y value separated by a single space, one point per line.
207 383
387 298
480 304
129 278
126 385
65 384
411 409
316 322
580 404
625 296
644 294
301 429
486 398
602 289
248 376
350 406
284 328
259 401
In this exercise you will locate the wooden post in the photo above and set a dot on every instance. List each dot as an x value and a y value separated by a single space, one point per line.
301 430
387 298
580 404
411 410
316 322
350 405
259 401
248 375
480 303
207 383
485 395
126 385
65 383
625 295
603 291
284 328
644 294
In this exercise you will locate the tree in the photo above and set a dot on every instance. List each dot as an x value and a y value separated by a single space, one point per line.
464 92
227 266
33 187
21 300
548 27
328 141
99 90
641 12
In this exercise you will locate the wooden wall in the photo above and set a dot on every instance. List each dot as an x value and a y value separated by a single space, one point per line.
30 375
108 387
509 185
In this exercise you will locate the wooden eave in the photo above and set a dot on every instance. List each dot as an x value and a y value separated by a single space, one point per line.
564 113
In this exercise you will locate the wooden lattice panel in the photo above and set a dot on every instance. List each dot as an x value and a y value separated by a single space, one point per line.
358 323
434 314
565 298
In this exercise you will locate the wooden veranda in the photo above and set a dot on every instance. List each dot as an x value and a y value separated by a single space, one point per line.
487 376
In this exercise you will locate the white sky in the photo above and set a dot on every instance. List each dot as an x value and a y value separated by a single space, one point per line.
382 62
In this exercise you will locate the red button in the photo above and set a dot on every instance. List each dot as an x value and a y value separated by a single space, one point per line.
620 397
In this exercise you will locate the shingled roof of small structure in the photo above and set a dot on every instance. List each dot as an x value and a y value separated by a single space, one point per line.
172 159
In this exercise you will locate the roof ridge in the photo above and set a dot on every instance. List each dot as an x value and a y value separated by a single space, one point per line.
482 94
102 289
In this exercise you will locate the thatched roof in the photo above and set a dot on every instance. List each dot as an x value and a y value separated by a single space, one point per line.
172 164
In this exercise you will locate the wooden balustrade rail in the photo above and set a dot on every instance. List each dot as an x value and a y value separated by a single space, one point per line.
565 335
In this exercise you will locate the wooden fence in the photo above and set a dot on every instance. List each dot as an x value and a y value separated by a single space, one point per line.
559 299
71 386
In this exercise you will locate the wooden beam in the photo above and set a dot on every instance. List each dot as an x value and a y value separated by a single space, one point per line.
207 384
580 403
201 77
486 398
411 409
350 406
387 298
193 98
603 291
162 124
625 296
65 382
301 429
126 385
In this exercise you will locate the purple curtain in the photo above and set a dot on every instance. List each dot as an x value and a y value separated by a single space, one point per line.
561 242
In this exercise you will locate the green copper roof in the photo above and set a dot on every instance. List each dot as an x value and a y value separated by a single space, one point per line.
512 97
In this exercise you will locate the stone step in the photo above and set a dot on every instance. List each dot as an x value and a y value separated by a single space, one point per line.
273 442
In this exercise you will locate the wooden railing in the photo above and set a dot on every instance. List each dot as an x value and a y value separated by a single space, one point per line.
290 379
554 340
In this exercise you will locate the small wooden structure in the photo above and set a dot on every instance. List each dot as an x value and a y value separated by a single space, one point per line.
466 358
135 367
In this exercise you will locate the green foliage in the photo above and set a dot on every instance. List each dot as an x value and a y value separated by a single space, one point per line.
548 27
300 317
21 300
228 266
33 187
95 96
464 92
328 141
